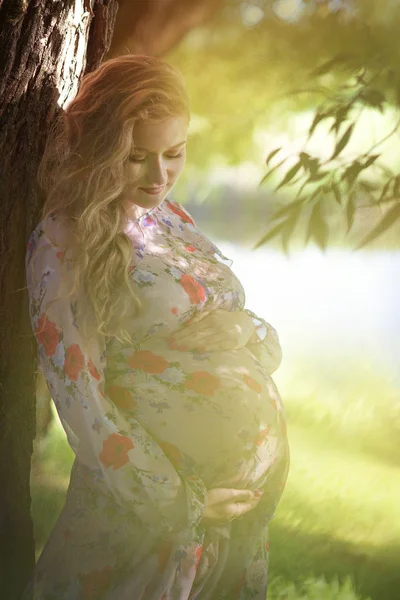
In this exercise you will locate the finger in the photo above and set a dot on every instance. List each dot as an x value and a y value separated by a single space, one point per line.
218 496
238 509
241 495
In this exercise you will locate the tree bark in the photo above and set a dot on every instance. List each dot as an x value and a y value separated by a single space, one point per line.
44 52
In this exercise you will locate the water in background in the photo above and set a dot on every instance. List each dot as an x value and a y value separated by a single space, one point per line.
336 304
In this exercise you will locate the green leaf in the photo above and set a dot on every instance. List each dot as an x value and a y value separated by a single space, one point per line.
270 234
271 155
350 211
287 231
336 192
330 64
310 164
269 173
304 158
286 209
396 186
316 193
317 227
352 172
373 98
385 189
317 176
340 117
320 235
290 175
387 221
344 140
370 160
318 117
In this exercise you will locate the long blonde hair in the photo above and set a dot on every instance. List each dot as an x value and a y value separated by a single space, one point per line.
82 176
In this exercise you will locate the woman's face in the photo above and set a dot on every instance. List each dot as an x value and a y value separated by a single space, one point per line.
156 161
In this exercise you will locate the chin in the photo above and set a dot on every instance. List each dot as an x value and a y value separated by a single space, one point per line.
145 201
149 201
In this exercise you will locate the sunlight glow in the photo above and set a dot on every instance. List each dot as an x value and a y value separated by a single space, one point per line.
251 14
289 10
73 52
338 303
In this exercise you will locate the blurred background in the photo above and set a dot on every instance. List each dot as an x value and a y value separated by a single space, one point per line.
320 82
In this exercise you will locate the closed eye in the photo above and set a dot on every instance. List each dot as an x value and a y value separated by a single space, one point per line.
135 159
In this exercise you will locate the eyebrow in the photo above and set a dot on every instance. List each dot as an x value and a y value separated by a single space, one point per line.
172 147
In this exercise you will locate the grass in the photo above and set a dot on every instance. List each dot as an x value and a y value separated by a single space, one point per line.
336 533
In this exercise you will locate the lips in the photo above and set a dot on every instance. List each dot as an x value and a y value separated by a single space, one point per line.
152 191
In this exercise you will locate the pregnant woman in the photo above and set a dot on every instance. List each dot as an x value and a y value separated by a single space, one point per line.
161 377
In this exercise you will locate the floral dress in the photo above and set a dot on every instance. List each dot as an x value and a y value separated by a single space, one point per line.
153 427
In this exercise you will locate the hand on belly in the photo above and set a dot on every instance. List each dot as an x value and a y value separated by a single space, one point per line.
227 504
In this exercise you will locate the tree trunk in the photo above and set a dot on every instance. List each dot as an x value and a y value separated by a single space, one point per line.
45 48
44 51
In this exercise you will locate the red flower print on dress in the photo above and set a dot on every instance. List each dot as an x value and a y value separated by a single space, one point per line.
115 451
74 361
190 248
96 583
92 370
121 397
47 334
172 451
178 211
198 556
261 435
163 553
202 382
147 362
252 383
174 310
193 288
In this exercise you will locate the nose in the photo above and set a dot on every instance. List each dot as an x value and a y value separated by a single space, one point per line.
157 172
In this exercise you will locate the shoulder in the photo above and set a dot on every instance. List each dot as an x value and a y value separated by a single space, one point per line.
52 234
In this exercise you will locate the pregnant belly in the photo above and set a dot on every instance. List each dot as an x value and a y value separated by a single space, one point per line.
219 411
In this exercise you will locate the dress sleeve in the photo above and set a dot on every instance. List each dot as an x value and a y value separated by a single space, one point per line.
127 461
264 344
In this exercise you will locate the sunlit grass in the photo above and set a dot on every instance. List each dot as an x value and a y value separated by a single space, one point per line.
340 512
339 519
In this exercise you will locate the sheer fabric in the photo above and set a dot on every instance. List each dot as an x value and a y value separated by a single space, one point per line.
153 427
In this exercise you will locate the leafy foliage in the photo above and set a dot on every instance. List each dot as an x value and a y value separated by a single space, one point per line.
244 76
340 178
